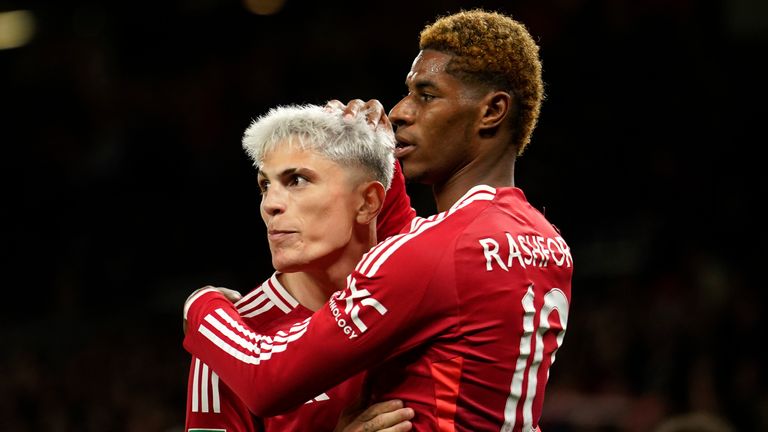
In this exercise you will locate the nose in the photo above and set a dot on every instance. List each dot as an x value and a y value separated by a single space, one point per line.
402 113
273 202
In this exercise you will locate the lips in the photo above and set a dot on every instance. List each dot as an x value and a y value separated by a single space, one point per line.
274 235
402 147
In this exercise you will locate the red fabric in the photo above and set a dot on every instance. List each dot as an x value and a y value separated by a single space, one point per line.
269 303
396 212
446 375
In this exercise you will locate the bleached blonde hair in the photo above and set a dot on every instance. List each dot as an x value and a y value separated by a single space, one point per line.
323 130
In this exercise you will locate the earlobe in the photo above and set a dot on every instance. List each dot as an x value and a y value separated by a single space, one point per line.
372 194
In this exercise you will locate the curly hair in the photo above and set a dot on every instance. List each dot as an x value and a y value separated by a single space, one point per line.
497 51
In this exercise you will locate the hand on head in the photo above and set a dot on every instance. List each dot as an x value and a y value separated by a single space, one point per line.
373 110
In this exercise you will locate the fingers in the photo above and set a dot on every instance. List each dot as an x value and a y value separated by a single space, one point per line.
400 427
389 416
394 421
380 408
353 108
334 105
374 112
230 294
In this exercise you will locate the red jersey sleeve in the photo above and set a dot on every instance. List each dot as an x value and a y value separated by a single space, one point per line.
383 311
213 405
396 212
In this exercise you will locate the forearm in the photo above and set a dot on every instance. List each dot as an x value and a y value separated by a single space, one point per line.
269 373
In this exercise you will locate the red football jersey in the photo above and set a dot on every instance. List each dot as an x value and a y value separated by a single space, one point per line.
460 317
212 405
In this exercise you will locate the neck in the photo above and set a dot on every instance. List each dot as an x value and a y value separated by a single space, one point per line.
496 171
313 286
310 289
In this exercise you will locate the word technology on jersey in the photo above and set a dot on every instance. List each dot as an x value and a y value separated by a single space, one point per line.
525 250
354 298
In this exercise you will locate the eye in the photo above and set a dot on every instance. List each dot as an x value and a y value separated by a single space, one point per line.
426 97
263 186
297 180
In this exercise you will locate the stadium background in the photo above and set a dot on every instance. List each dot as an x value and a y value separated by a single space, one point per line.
126 188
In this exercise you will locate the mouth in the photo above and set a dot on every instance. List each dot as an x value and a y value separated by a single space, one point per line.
274 235
402 147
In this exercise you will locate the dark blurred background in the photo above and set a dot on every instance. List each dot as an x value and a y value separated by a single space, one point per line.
126 188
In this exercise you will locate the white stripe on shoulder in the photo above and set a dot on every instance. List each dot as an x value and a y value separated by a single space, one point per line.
415 222
477 193
268 295
267 306
196 295
274 297
247 298
390 250
375 252
283 292
257 302
243 349
384 250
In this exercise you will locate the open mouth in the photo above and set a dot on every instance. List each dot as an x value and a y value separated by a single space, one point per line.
402 148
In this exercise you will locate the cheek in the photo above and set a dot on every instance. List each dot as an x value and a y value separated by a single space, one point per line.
449 138
332 224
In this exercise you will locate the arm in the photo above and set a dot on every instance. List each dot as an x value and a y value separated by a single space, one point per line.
396 213
210 403
379 315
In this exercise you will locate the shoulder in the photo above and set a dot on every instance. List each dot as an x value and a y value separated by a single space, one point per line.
428 241
269 300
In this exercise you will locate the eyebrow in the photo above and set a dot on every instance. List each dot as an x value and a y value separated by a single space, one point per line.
283 173
288 172
421 84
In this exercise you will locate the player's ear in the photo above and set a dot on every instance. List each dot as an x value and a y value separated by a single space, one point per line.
496 107
372 199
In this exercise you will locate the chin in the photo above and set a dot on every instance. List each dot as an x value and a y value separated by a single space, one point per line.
284 265
414 174
418 177
289 265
